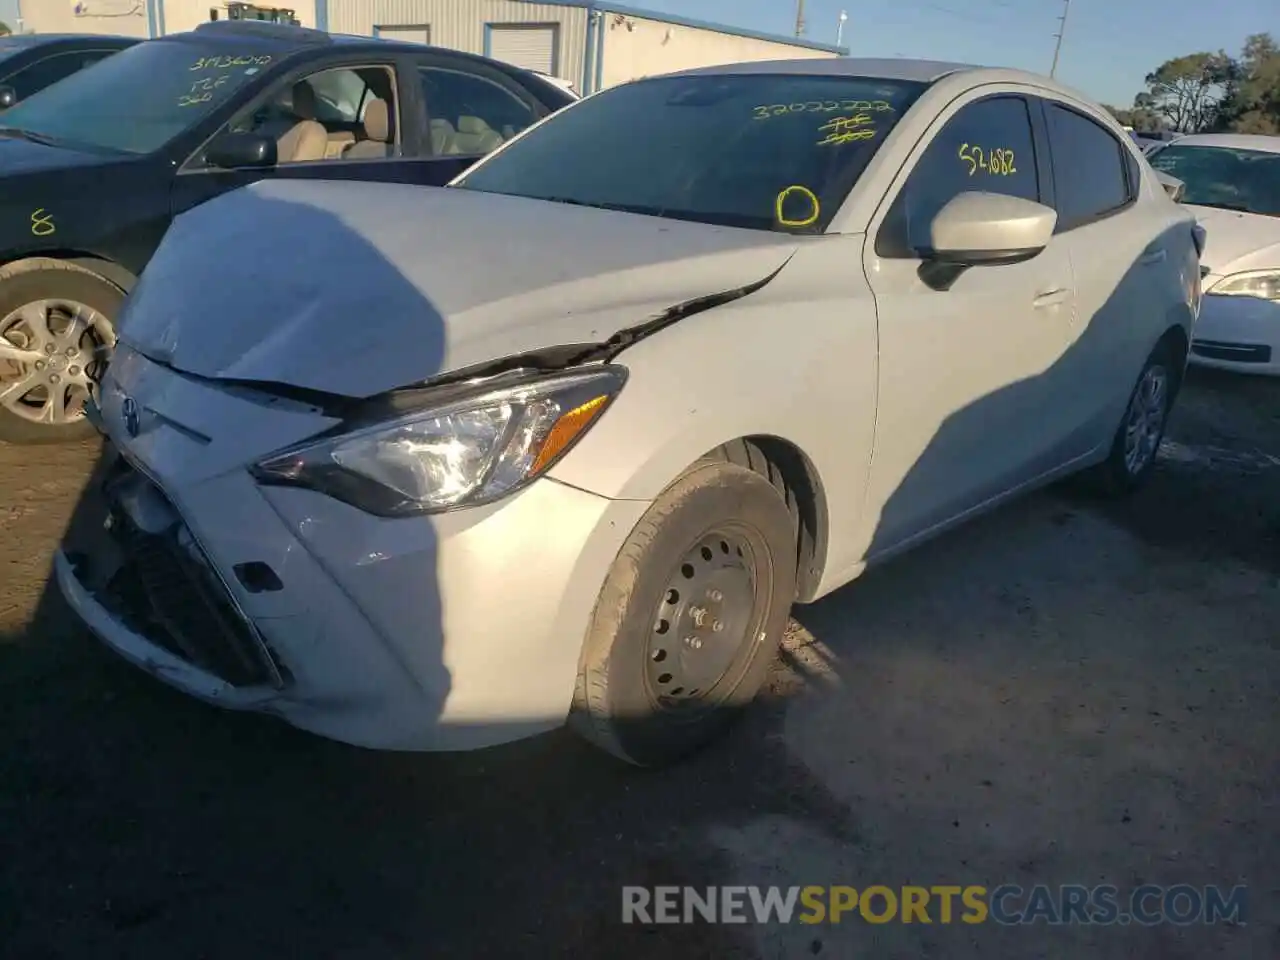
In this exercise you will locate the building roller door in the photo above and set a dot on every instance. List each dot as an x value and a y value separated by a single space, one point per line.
530 46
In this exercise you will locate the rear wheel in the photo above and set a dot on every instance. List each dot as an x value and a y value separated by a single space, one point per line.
690 617
1137 440
56 335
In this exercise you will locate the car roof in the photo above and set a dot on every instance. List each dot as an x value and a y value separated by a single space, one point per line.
925 71
1235 141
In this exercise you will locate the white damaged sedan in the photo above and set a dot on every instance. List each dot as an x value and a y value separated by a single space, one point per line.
439 468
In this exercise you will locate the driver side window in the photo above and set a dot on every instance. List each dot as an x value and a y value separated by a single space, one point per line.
987 146
343 113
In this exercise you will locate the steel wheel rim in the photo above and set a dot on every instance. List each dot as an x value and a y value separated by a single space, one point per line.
1144 421
702 629
52 353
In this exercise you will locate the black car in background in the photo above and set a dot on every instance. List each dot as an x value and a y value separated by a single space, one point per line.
31 62
93 170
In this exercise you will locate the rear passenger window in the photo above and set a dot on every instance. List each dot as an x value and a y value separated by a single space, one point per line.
988 146
1089 169
470 114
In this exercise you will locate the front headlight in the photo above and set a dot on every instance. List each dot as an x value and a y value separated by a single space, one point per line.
463 453
1250 283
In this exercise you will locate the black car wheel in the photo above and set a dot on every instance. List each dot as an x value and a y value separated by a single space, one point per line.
1136 444
56 334
690 617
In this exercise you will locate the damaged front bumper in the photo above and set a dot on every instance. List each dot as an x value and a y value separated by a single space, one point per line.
439 632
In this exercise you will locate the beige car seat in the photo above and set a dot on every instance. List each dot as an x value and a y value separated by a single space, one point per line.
442 136
377 133
475 136
307 139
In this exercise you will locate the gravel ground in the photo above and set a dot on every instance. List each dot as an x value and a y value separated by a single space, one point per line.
1059 693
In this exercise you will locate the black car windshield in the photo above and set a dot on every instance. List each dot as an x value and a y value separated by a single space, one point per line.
141 98
1236 179
761 151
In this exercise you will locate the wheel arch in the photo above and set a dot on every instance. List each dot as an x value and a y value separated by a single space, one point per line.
793 473
115 274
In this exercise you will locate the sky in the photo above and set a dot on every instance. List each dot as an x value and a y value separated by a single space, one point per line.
1109 46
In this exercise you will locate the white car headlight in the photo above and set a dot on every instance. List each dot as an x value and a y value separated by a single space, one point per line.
1250 283
462 453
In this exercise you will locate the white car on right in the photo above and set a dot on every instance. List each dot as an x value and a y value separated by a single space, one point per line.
1232 184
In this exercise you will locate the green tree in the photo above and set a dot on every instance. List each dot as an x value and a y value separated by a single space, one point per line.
4 29
1187 91
1253 101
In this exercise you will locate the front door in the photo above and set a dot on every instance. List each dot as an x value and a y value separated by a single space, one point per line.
337 123
964 381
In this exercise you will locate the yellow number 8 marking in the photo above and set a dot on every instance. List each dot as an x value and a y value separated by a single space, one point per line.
42 223
804 192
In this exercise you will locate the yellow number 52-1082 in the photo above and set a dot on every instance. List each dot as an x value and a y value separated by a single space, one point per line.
997 162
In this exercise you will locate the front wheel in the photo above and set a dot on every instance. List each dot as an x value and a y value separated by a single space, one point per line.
56 334
690 617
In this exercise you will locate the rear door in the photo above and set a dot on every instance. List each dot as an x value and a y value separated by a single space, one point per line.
1125 272
470 109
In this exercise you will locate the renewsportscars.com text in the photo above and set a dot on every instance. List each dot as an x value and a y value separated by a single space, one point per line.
1008 904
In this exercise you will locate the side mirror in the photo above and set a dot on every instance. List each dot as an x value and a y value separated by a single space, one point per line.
8 97
1174 187
236 150
977 228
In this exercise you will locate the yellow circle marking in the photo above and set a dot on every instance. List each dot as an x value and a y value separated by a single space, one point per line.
803 191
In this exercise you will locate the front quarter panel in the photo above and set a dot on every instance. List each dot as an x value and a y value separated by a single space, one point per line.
795 360
116 212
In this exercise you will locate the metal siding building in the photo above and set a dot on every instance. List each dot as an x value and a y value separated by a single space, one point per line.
135 18
591 43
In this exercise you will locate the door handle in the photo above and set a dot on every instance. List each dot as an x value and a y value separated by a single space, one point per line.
1050 298
1153 256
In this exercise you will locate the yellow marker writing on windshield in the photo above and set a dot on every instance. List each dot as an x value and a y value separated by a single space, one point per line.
846 130
42 223
764 112
796 190
222 63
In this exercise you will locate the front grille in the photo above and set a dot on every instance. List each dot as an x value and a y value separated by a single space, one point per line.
165 589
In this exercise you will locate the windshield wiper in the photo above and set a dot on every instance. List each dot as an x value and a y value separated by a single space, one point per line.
45 140
17 133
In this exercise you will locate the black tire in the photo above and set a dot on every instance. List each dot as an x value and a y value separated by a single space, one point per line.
46 279
1116 477
618 704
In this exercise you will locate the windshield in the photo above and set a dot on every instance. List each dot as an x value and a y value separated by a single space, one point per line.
141 98
762 151
1247 180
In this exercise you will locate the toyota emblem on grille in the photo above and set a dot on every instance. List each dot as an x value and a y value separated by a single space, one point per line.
132 418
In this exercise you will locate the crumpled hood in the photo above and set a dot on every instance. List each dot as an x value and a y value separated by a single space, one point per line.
1238 241
357 288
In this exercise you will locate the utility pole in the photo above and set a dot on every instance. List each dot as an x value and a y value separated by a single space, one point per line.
799 18
1062 28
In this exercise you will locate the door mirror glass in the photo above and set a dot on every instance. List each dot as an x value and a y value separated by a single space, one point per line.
236 150
8 97
976 228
